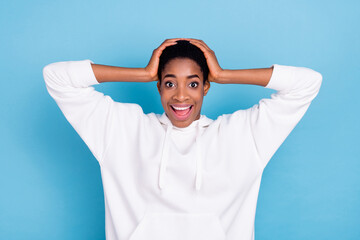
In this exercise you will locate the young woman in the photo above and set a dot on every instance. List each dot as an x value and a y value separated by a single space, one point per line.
180 175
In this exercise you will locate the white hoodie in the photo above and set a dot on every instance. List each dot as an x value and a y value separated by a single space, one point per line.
162 182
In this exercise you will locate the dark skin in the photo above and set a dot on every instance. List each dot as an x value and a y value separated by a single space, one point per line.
182 83
179 88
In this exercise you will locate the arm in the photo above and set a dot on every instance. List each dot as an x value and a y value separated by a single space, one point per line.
104 73
260 76
88 111
91 113
272 119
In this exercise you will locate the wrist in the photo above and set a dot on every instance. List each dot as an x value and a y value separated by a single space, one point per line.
223 76
150 76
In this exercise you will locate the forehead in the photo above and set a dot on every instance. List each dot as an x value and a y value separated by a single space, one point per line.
182 66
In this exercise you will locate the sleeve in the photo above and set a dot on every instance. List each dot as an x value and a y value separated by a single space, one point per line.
272 119
89 112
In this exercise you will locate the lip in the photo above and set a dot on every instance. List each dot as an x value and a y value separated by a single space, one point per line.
184 117
180 105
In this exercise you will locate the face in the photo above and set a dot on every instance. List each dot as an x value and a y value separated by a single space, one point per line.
182 91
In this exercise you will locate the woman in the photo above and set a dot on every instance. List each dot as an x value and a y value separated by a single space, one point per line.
180 175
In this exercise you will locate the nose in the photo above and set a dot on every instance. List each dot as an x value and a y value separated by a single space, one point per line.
181 94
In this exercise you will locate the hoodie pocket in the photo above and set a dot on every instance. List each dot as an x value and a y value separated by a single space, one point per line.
179 226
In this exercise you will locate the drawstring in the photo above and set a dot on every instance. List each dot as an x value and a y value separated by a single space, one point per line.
198 160
165 157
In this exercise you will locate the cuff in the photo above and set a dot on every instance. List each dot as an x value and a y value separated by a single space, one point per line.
281 78
83 73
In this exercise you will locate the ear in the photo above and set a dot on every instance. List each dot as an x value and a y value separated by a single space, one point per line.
206 87
158 86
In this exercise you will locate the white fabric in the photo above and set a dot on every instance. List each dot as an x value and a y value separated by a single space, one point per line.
164 182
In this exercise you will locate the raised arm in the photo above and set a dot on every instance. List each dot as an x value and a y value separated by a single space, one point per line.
104 73
87 110
91 113
259 76
272 119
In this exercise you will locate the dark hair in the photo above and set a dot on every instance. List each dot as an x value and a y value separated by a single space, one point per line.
183 49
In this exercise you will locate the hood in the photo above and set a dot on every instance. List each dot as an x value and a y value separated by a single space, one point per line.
203 121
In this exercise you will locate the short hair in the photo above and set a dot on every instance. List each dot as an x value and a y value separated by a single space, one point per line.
183 49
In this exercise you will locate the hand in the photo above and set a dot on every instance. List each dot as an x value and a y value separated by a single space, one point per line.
153 65
214 68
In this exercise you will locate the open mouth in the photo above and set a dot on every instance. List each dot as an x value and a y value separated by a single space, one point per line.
182 112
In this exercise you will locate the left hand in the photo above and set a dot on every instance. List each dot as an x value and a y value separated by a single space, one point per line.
214 68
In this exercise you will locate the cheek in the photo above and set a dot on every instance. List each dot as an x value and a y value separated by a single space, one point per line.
164 98
198 96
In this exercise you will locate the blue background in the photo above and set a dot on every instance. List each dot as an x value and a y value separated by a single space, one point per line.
50 183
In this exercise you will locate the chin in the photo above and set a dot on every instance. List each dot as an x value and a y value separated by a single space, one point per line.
182 124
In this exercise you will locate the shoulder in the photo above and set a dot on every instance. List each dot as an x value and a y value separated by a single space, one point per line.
232 118
130 117
229 123
131 108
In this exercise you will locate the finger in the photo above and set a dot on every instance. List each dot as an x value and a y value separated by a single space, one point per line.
173 39
199 42
165 44
193 39
201 46
168 42
202 43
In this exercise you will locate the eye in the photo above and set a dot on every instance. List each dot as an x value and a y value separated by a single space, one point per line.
169 84
194 84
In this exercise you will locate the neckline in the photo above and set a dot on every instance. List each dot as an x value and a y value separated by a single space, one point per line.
201 122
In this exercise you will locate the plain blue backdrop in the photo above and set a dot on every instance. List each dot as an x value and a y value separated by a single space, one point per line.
50 183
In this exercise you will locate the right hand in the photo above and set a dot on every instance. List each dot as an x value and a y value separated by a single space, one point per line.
153 65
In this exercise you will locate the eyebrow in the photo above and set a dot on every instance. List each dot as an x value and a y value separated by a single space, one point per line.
190 76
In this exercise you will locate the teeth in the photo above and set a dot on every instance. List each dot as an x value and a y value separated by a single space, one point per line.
181 108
